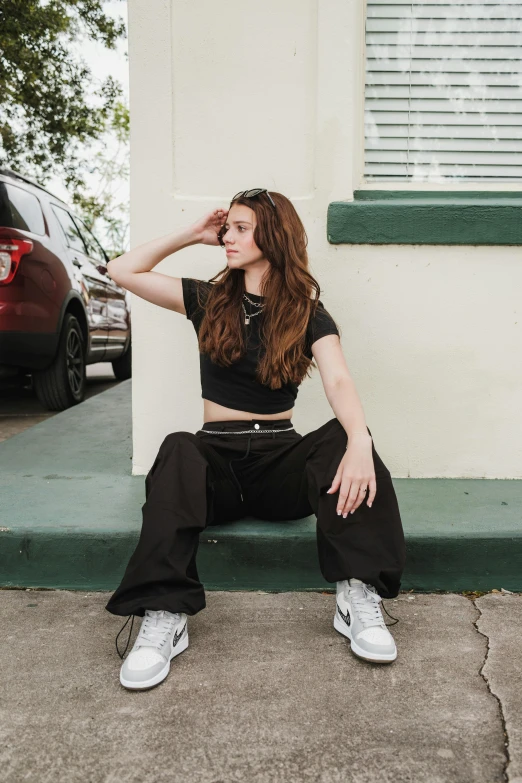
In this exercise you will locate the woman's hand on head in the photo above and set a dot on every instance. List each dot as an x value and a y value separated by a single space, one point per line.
208 227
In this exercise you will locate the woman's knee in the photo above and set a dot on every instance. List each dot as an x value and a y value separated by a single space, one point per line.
334 432
337 436
172 440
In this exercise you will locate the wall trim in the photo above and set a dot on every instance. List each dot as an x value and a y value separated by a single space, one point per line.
411 217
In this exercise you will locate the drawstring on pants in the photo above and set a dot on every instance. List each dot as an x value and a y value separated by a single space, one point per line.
128 640
236 459
240 458
389 615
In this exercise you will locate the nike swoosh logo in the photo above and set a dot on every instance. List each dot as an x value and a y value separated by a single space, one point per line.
346 617
178 635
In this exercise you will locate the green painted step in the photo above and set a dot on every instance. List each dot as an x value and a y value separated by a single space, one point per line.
70 517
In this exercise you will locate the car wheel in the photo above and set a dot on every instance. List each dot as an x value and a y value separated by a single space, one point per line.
63 383
122 366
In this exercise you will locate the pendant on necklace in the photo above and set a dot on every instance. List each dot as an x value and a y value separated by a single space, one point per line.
247 319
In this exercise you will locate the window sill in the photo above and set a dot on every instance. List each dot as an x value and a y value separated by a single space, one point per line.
409 217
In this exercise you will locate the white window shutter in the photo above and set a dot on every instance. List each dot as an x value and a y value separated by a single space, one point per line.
443 95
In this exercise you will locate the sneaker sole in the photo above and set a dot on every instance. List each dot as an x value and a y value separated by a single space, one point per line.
160 676
343 629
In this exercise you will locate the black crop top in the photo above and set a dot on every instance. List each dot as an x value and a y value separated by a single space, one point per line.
236 386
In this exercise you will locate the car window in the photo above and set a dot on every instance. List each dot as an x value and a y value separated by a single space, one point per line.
20 209
93 246
70 229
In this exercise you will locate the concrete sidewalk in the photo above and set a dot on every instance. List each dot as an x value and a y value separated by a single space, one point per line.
267 692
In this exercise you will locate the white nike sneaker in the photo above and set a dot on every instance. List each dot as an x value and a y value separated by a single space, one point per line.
358 616
162 636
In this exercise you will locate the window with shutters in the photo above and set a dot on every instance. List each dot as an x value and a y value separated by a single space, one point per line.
443 94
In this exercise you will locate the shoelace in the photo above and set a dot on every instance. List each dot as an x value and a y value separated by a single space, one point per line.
152 631
367 606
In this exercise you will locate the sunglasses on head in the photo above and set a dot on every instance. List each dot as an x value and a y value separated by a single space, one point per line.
252 193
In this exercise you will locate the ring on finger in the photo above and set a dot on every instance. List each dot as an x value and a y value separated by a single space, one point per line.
361 490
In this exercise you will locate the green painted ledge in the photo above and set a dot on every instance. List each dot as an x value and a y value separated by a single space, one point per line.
70 518
407 217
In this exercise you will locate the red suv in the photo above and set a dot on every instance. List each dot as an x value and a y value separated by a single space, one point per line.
59 309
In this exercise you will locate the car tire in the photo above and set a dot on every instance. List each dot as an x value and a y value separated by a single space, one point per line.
62 384
122 366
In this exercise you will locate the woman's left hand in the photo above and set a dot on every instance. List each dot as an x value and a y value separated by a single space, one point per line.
355 473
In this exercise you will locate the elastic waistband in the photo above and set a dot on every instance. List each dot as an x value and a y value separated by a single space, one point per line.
244 426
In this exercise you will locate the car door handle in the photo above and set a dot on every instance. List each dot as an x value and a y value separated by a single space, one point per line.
77 262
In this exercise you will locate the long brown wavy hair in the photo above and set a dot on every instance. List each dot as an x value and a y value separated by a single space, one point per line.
287 286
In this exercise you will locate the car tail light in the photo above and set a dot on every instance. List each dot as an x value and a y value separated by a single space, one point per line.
11 251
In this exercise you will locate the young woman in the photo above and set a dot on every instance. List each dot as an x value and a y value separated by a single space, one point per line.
259 331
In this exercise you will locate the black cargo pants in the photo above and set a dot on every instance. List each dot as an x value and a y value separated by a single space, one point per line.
230 469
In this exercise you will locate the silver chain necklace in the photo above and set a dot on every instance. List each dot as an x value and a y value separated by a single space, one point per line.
248 316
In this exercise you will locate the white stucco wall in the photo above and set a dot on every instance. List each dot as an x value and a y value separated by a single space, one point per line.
247 94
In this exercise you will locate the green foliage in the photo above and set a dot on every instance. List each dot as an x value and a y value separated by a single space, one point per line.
46 121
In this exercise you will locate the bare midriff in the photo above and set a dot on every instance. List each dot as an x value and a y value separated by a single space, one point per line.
214 412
